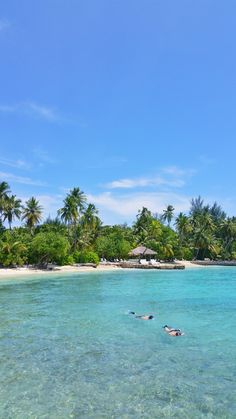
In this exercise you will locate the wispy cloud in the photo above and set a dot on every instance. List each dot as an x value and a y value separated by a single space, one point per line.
119 208
143 182
44 112
169 176
18 164
177 171
10 177
43 155
124 207
115 209
4 24
127 195
32 109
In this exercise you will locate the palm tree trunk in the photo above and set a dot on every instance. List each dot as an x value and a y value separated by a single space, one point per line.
198 250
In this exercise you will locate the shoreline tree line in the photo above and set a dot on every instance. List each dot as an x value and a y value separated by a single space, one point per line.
77 234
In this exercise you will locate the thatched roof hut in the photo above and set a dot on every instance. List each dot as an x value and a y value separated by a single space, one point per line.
142 251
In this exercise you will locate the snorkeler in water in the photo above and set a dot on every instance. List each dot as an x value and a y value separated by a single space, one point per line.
172 332
143 316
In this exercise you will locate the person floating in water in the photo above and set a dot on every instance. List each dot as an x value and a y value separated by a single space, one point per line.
172 332
143 316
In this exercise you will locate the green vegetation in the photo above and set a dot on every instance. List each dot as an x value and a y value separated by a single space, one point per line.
77 234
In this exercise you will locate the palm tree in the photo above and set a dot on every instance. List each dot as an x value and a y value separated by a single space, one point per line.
142 225
90 224
197 206
11 209
53 224
166 247
217 213
183 227
168 214
74 204
204 242
69 212
79 198
228 234
4 191
90 217
203 237
32 213
14 252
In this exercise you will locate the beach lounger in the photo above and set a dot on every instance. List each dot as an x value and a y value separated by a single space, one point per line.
143 262
154 262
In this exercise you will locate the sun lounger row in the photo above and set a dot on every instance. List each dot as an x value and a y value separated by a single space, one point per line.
149 262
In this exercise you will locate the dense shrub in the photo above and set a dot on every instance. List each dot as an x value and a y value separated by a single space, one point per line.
13 251
184 253
112 247
49 247
86 257
68 260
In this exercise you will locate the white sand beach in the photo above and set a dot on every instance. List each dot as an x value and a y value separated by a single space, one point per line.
190 265
15 272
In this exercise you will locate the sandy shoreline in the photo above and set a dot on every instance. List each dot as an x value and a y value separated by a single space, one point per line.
189 264
15 272
8 272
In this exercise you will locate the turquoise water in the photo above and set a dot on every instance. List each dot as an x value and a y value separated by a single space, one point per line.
70 350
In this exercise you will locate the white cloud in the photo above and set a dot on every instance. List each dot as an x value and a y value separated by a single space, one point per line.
10 177
171 177
31 109
117 209
177 171
142 182
42 111
124 207
18 164
43 155
4 24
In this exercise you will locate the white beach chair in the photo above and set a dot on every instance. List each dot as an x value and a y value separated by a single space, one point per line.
143 262
153 262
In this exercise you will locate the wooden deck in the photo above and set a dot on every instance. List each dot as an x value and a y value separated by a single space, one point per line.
130 265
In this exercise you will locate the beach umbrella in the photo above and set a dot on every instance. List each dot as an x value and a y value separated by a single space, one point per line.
142 251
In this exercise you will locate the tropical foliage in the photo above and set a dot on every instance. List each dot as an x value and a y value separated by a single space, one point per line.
32 213
77 234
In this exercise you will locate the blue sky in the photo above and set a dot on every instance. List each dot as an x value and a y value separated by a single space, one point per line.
132 101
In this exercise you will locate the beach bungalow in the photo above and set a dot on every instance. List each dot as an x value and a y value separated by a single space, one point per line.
142 252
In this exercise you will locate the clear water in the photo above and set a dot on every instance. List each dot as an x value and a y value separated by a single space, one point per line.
70 350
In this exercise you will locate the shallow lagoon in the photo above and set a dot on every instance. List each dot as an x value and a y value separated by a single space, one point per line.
70 350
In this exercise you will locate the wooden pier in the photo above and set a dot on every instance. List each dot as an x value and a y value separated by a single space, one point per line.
130 265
